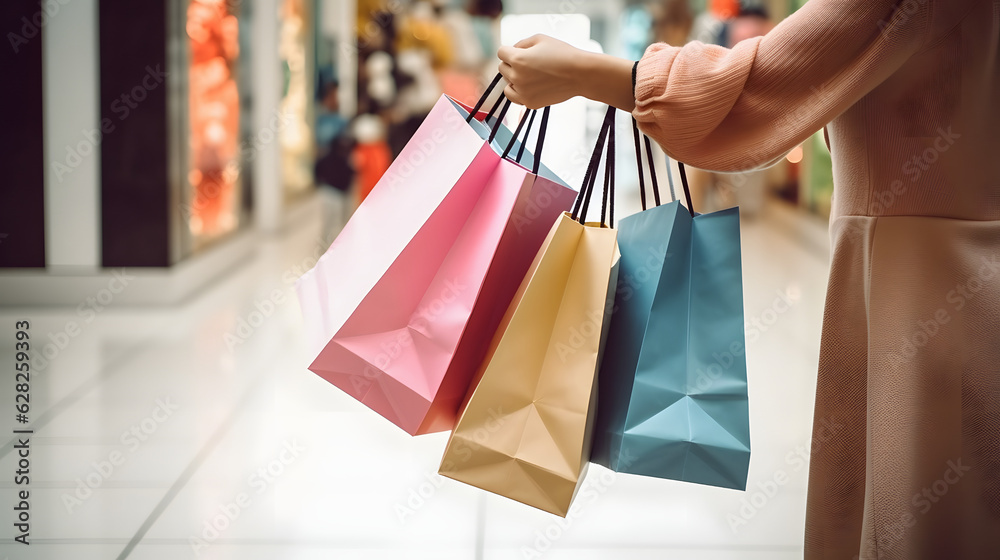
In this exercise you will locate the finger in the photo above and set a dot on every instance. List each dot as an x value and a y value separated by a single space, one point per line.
515 97
529 42
505 52
507 71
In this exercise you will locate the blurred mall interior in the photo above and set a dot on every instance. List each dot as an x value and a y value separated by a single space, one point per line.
171 167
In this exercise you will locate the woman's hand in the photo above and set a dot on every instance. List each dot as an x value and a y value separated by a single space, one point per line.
540 71
543 71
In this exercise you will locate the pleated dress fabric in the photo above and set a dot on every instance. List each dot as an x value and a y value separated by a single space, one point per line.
905 460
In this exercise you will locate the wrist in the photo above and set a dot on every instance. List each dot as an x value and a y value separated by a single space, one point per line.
607 79
580 71
586 74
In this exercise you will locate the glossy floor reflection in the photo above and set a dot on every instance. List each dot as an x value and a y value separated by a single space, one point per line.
197 432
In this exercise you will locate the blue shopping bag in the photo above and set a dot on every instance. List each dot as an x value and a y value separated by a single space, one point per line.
672 399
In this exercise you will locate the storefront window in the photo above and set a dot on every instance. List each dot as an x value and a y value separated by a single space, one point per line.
297 146
214 118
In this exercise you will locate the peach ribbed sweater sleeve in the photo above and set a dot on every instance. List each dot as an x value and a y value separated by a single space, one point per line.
742 108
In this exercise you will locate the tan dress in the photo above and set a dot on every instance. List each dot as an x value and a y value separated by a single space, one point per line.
910 357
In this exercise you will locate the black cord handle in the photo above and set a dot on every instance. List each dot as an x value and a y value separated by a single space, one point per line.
649 160
496 125
609 180
541 141
517 131
687 191
638 161
652 173
583 200
591 171
493 109
520 151
486 94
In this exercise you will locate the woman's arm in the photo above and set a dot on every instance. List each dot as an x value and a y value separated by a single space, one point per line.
735 109
543 71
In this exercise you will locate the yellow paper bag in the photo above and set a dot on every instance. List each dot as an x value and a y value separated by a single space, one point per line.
525 429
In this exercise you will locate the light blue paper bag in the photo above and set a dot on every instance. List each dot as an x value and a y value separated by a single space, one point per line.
673 381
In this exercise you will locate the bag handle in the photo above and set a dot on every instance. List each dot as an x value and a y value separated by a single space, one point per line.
583 199
517 131
584 195
687 192
609 177
520 151
652 173
590 177
503 113
486 94
539 142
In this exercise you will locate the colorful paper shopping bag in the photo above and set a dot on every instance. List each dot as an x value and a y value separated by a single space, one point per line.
404 303
524 432
673 382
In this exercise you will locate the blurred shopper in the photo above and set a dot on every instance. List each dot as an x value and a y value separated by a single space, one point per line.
334 169
672 21
747 189
371 157
467 48
462 79
422 29
751 21
486 24
710 26
905 459
675 24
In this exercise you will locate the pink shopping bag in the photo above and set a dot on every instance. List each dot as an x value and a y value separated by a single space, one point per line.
406 299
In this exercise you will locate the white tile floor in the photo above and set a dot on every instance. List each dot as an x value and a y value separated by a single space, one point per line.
305 472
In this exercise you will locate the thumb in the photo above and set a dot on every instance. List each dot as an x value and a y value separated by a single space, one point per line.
529 42
505 53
